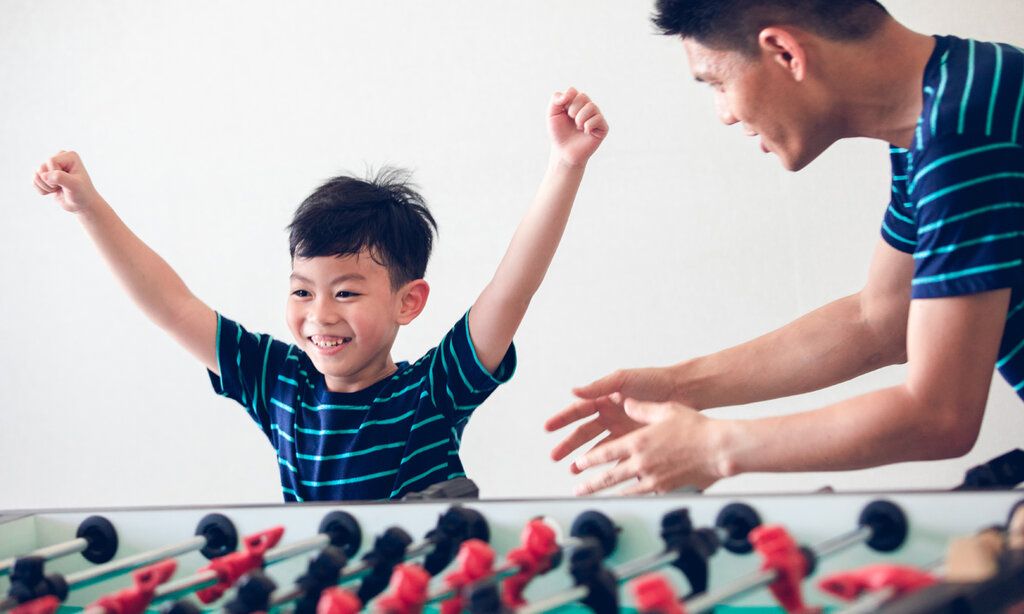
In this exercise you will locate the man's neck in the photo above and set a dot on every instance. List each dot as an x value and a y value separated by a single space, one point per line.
879 87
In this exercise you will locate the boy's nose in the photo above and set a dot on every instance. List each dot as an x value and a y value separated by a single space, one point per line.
322 312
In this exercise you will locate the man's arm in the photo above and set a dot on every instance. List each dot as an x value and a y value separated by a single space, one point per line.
148 279
837 342
842 340
936 413
577 129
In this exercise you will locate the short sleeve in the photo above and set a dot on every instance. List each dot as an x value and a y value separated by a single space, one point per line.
458 382
247 361
968 199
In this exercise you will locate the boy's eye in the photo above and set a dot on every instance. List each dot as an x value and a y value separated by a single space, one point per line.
346 294
300 293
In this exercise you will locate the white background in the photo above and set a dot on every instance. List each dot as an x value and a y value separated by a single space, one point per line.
205 123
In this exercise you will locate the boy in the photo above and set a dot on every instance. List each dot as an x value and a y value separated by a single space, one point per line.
346 421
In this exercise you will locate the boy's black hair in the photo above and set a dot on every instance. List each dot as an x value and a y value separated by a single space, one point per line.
383 214
735 24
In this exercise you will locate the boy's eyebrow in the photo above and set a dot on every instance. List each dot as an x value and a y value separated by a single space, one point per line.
336 280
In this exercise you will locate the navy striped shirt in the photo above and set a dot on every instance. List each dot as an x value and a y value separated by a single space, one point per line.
958 191
397 436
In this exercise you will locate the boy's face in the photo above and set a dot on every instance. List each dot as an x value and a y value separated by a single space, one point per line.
345 315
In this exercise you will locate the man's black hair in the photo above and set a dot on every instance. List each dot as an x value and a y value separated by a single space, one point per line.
383 214
735 24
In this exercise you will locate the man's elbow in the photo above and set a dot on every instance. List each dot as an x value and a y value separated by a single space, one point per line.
952 431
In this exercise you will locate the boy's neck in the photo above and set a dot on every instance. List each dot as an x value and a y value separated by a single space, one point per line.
367 377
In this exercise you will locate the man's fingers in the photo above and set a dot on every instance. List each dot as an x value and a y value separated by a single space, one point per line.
607 385
616 475
576 411
642 487
612 451
580 436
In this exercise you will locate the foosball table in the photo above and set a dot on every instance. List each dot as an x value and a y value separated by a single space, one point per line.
888 552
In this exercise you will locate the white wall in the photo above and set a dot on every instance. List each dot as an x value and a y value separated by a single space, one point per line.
206 123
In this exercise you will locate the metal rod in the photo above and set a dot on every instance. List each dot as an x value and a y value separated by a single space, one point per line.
706 602
760 579
631 569
120 566
47 553
184 586
286 552
837 544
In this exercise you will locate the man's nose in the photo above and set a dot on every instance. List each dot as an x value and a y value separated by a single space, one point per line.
724 114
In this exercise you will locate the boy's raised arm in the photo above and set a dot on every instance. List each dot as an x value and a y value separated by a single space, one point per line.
577 128
149 280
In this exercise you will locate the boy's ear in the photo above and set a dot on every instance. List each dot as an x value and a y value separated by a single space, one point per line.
413 297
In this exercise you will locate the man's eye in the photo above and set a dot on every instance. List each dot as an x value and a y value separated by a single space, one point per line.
300 293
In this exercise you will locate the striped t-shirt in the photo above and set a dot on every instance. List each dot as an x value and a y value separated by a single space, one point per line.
958 191
397 436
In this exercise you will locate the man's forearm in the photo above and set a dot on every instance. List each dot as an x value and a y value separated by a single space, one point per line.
878 428
832 344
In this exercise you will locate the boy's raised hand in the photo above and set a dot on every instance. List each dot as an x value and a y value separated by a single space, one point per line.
64 175
576 125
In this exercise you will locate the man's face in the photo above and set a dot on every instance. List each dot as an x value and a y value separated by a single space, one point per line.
762 95
344 314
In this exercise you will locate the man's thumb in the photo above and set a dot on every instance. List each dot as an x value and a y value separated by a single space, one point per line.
647 412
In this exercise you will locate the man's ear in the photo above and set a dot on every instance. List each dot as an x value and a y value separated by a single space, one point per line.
413 296
784 49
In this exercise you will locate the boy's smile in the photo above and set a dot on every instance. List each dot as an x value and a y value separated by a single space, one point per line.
345 315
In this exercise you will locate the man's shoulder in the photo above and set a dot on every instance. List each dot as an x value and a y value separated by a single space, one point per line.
972 94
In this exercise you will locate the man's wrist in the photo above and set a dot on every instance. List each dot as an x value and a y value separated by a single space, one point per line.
689 384
724 436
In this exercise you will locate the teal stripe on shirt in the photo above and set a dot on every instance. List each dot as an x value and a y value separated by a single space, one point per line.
383 446
966 184
945 249
327 407
951 157
967 87
892 234
429 446
942 90
1015 309
900 217
419 477
283 406
995 89
1005 359
966 272
966 214
361 478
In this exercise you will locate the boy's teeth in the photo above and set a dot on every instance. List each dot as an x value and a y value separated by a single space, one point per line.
329 343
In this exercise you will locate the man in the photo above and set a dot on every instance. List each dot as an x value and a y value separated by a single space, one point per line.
944 288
